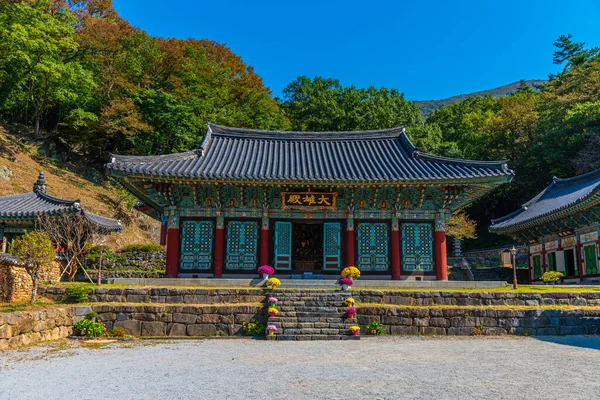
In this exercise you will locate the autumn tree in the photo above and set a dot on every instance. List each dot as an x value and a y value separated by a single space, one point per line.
36 253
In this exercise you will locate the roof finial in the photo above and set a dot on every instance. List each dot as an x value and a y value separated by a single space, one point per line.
40 184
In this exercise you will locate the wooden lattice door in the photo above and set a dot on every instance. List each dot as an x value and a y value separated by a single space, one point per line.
283 245
372 243
196 245
417 247
331 246
242 246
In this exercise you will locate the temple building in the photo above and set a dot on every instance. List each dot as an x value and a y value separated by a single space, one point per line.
19 213
561 225
305 202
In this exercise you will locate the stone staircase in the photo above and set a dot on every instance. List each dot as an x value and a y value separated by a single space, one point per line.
311 315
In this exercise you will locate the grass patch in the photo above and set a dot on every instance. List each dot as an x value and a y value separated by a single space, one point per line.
503 307
15 307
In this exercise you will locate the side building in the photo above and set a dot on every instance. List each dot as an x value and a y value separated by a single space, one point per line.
305 202
19 213
561 225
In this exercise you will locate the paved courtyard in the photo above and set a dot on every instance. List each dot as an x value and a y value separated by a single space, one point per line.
374 368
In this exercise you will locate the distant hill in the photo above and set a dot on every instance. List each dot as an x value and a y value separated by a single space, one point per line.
429 106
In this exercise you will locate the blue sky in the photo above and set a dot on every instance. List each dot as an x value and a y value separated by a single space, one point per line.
426 49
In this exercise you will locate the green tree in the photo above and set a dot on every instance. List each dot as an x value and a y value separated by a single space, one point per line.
324 104
38 64
36 253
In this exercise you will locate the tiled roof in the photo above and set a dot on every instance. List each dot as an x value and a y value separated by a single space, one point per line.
38 202
32 204
235 153
558 196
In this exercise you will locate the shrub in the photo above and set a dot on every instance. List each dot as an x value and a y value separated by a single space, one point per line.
93 255
117 332
351 272
78 293
253 328
147 248
93 315
374 328
552 276
87 327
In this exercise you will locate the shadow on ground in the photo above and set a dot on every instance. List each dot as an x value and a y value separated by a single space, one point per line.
589 342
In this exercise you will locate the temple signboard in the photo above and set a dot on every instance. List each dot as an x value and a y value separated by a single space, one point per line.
308 200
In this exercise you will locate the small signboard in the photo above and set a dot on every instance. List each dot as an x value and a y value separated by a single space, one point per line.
309 200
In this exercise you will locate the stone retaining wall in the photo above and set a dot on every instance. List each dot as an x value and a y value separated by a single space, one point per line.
160 295
476 298
480 321
137 264
16 284
173 320
26 327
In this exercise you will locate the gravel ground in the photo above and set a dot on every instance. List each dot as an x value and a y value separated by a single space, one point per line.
374 368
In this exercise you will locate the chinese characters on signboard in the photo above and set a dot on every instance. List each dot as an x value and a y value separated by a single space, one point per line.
305 200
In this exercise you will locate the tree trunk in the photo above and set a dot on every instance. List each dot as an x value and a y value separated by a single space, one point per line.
36 132
35 279
100 267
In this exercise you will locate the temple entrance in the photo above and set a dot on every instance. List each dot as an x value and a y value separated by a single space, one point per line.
307 246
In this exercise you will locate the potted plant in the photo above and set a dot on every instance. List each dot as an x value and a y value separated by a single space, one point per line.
349 302
273 283
273 302
346 283
351 272
350 312
355 329
374 328
265 270
551 277
272 311
271 329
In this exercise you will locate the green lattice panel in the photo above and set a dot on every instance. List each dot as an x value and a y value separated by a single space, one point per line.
242 245
417 247
196 245
283 245
372 243
331 246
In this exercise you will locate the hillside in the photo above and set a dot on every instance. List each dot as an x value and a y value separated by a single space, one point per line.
429 106
26 158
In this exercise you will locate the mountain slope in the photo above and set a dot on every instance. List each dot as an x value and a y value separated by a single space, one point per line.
429 106
25 160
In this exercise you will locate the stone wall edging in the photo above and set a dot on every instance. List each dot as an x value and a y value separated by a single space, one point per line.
28 327
480 321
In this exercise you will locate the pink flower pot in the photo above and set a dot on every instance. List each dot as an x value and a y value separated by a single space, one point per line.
355 333
271 314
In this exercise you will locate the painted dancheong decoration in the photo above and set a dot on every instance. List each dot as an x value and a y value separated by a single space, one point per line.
561 225
310 202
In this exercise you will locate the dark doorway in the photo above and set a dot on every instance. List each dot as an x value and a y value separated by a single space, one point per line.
570 262
307 246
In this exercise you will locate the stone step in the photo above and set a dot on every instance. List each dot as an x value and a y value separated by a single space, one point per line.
313 337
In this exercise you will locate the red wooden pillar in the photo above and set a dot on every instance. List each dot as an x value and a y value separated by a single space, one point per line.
163 233
219 247
529 267
579 260
264 246
172 252
395 254
544 264
441 263
350 247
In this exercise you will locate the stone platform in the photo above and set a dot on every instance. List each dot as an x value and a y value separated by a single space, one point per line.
327 283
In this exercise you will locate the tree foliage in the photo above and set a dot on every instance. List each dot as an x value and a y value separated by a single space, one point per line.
36 253
100 85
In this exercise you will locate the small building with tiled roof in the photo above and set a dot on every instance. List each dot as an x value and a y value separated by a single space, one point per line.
19 213
562 225
305 202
